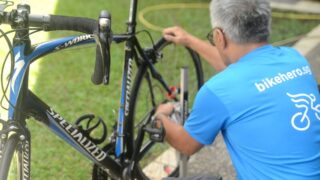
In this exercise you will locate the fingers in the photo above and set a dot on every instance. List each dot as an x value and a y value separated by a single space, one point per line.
176 35
171 30
170 34
169 38
166 108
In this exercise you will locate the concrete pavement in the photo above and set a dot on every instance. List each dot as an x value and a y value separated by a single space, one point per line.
305 6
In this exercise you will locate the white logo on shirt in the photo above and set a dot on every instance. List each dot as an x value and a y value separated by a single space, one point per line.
300 120
270 82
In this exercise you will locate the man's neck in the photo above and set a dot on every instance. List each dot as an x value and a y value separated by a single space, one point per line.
236 51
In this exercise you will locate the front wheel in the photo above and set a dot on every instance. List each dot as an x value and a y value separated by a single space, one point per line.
15 162
159 160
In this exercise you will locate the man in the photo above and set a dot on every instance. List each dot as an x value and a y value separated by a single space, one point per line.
264 100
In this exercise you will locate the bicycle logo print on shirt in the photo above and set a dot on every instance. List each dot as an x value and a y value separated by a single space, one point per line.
304 102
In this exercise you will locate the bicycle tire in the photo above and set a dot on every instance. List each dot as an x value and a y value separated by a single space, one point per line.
174 58
11 165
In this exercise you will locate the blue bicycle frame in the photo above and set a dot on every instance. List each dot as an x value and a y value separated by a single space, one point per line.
44 113
24 103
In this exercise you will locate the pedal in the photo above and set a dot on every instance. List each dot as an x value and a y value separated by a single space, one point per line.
90 125
155 134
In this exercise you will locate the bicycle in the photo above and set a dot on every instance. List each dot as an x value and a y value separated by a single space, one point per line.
143 86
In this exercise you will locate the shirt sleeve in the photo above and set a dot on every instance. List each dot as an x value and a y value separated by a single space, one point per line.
207 117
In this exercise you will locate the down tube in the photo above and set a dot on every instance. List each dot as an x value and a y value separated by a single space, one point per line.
69 133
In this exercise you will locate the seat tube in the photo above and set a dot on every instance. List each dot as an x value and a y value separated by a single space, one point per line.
125 97
132 16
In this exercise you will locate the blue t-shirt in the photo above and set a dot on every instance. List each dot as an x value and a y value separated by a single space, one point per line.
267 107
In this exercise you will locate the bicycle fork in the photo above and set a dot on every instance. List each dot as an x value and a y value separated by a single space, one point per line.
20 148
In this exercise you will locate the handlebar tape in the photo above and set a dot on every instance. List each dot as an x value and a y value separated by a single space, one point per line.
54 22
161 44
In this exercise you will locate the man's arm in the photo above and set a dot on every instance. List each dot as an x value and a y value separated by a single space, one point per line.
210 53
176 135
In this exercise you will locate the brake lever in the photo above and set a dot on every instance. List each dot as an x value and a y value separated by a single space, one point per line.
105 34
103 38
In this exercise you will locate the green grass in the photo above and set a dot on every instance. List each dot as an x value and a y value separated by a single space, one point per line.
64 78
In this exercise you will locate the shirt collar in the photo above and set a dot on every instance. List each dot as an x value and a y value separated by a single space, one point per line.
258 51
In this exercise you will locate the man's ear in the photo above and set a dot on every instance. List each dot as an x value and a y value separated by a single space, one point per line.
220 38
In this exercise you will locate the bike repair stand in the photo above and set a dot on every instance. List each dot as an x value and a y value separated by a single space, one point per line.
184 115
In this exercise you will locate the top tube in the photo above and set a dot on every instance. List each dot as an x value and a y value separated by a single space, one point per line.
22 62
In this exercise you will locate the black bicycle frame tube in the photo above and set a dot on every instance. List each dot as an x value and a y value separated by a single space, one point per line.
153 71
132 16
126 82
45 114
125 97
134 50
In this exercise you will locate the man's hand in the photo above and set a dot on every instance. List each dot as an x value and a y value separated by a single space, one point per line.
165 109
176 135
210 53
177 35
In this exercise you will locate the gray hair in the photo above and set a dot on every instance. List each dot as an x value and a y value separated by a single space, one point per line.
242 21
